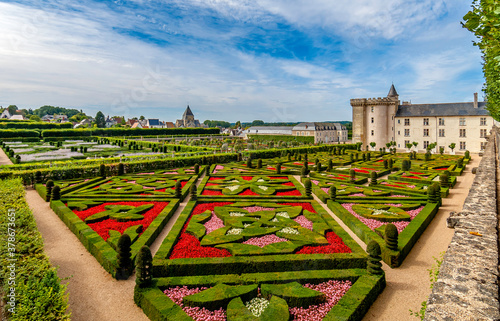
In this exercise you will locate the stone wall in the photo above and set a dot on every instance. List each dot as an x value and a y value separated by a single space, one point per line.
467 286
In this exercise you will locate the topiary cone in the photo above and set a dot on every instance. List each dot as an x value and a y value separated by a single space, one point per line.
196 168
391 237
193 191
259 163
56 193
123 257
278 168
374 266
308 186
178 189
48 189
121 169
144 267
333 193
102 171
373 178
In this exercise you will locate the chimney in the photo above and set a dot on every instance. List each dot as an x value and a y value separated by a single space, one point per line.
475 100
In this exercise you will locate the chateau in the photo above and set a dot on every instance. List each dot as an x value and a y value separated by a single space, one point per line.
381 120
322 132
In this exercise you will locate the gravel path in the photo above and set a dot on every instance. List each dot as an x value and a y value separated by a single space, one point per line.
4 160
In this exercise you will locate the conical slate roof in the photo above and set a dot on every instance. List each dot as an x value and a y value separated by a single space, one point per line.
392 92
188 112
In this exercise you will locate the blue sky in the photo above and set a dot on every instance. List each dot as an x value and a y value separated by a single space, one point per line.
274 60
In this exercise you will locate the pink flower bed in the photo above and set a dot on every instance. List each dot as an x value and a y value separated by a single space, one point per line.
199 314
213 224
253 209
265 240
304 222
325 189
373 224
334 291
399 196
358 195
315 182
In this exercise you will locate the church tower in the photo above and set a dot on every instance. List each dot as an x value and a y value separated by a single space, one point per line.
373 119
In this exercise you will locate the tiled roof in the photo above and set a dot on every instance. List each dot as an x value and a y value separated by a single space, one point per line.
449 109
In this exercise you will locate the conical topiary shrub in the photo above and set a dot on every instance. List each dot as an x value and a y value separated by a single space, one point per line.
333 193
38 176
308 186
352 174
278 168
374 266
102 170
391 237
193 192
405 165
330 166
48 189
144 267
56 193
373 178
437 193
121 169
431 195
196 168
443 180
249 163
303 171
259 163
123 258
178 189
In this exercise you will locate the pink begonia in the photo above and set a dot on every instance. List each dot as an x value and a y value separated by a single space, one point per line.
219 167
315 182
334 291
168 173
198 314
373 224
151 173
399 196
265 240
253 209
304 222
131 182
376 191
213 224
325 189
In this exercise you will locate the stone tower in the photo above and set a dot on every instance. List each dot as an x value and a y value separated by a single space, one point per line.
373 119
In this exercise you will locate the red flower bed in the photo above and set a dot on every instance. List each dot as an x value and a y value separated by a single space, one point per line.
361 171
288 184
343 175
289 193
247 178
211 192
339 178
211 184
336 246
441 168
277 177
417 173
188 246
102 228
248 192
414 177
216 178
390 185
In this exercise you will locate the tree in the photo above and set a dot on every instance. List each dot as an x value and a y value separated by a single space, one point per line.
258 123
238 124
78 117
484 21
452 146
373 144
35 118
142 118
409 145
415 144
100 121
12 109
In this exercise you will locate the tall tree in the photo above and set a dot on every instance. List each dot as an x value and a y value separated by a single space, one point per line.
12 109
100 120
484 21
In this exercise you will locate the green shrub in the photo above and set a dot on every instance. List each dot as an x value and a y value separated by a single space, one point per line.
373 178
249 162
391 237
123 258
333 193
460 163
259 163
385 164
48 189
374 266
102 170
352 174
144 267
330 165
193 191
278 168
405 165
178 189
56 193
196 168
303 171
121 169
444 180
308 186
467 154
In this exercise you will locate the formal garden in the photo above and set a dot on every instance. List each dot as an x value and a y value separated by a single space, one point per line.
256 237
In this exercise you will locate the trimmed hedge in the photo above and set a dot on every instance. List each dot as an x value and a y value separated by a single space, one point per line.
108 132
38 290
352 306
407 238
34 125
283 138
19 133
100 249
162 266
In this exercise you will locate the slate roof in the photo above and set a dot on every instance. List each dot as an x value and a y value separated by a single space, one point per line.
392 92
153 122
449 109
188 112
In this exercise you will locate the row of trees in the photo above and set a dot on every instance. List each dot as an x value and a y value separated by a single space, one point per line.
414 144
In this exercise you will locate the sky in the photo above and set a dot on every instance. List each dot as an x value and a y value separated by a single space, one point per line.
272 60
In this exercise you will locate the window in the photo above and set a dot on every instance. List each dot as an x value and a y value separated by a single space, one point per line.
407 121
483 121
483 145
462 132
426 144
407 132
441 121
483 133
399 121
441 133
426 132
373 133
462 121
406 142
462 146
426 121
399 133
372 120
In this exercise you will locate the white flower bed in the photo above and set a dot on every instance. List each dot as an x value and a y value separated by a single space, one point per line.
22 150
265 188
257 306
236 214
283 214
233 188
234 231
289 230
50 155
